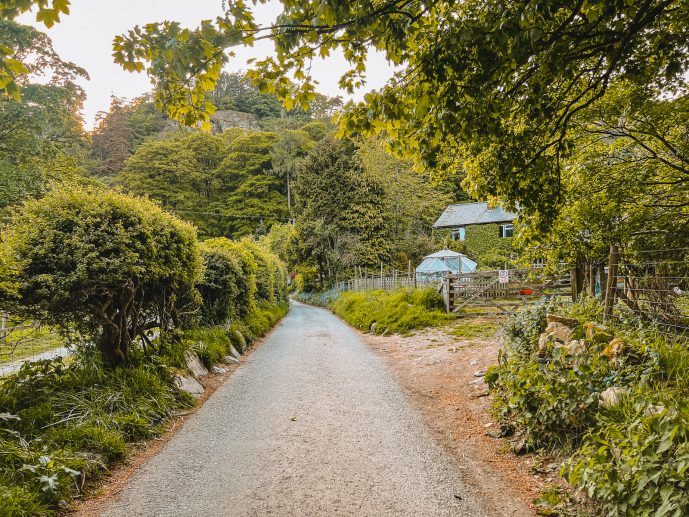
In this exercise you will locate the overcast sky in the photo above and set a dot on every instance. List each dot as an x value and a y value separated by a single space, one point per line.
85 38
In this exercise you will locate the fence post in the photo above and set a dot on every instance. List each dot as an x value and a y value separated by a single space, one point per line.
611 287
592 279
577 280
446 291
3 328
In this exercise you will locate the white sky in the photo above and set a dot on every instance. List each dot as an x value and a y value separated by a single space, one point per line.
85 38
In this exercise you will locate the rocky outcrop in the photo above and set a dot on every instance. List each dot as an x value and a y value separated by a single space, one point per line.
228 359
225 119
612 396
222 120
233 352
562 320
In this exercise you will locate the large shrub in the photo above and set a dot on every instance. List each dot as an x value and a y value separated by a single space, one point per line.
271 274
104 264
223 285
245 299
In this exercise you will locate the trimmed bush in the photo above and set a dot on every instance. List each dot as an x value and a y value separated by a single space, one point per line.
238 278
104 264
271 274
245 300
224 288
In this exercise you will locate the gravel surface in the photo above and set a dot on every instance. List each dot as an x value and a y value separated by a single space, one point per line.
313 423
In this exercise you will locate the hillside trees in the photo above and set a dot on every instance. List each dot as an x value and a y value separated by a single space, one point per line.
412 203
120 131
342 222
41 136
227 184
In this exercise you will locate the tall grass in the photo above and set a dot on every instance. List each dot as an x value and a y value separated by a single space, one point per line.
399 311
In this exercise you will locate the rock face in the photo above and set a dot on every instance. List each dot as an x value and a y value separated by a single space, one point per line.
572 323
225 119
194 364
188 384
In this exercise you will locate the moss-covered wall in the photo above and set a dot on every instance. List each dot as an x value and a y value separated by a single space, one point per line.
483 245
484 239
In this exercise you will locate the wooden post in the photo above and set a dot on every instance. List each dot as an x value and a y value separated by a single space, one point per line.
3 328
573 282
611 287
446 292
592 279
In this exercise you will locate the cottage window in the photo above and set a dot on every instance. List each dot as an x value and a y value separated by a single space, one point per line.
506 230
459 234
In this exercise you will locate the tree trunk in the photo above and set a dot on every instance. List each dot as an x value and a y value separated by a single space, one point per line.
611 288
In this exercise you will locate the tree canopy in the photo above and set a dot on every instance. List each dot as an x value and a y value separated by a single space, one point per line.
493 87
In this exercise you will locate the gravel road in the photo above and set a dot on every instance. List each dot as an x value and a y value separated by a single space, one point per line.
313 423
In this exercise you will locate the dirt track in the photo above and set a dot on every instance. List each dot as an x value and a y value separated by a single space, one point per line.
313 423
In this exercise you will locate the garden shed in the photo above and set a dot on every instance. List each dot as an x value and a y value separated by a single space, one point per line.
436 265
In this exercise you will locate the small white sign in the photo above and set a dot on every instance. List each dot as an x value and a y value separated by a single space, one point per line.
504 276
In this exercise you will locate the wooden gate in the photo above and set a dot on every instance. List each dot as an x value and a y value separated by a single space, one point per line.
459 290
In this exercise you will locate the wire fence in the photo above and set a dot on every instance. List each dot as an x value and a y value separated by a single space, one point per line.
651 286
22 341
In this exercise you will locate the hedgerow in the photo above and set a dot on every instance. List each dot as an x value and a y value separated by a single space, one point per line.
109 268
612 401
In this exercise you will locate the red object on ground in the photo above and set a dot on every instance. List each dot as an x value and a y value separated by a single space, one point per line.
526 291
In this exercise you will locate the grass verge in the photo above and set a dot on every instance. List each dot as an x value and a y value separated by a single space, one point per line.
392 312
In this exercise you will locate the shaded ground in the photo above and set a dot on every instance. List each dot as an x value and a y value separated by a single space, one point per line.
313 423
439 370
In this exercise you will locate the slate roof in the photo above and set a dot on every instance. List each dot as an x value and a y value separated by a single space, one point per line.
464 214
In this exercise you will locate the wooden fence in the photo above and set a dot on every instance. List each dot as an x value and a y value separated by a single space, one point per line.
387 282
461 289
